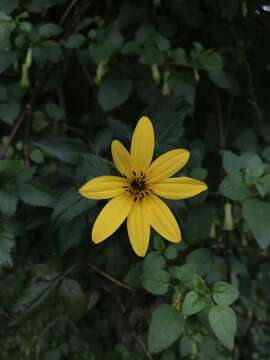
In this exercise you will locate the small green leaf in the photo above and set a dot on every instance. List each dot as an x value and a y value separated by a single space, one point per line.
223 322
9 111
166 326
231 162
49 30
156 283
193 303
233 187
8 202
224 293
171 252
153 262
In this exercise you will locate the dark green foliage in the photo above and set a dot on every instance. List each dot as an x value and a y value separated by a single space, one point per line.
74 76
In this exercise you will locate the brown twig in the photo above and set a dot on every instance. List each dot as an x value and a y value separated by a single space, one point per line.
220 121
109 277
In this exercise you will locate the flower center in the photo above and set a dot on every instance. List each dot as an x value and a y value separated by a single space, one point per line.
138 186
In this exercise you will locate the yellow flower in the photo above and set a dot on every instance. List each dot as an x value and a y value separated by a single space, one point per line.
135 195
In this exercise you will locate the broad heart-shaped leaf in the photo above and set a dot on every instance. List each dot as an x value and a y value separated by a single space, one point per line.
166 326
114 90
193 303
224 293
157 283
223 322
256 214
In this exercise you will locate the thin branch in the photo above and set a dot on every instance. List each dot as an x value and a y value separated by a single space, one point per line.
27 136
220 121
143 346
109 277
68 9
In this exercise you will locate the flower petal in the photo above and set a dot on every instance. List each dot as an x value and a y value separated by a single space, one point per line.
103 187
121 158
142 144
138 228
162 219
178 188
111 217
167 165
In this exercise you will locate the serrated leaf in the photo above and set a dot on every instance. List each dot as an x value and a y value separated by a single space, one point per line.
223 322
166 326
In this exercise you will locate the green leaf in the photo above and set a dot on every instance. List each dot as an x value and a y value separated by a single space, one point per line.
193 303
171 252
233 187
153 262
253 165
70 205
224 293
256 214
156 283
114 90
75 41
211 61
64 149
231 162
263 185
92 165
55 111
9 111
202 259
179 56
166 326
184 273
36 196
223 322
8 202
49 30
